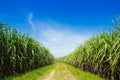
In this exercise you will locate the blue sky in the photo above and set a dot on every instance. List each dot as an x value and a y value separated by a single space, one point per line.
60 25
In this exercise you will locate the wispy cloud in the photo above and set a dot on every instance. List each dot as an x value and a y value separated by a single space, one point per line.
30 17
58 38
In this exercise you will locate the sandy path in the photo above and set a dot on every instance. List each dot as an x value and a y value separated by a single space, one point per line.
60 73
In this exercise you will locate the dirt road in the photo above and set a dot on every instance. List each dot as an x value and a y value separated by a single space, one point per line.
60 73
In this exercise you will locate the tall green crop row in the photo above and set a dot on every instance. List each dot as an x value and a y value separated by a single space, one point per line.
20 53
99 55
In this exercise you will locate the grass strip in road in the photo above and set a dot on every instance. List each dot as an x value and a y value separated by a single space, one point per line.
81 75
33 75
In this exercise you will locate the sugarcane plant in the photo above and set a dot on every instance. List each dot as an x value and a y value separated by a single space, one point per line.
20 53
99 55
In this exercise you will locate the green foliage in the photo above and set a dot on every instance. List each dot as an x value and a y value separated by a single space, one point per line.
99 55
20 53
37 74
81 75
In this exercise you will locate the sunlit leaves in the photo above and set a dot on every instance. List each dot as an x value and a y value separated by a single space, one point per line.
99 55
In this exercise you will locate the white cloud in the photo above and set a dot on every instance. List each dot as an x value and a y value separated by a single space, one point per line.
58 40
56 37
30 17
